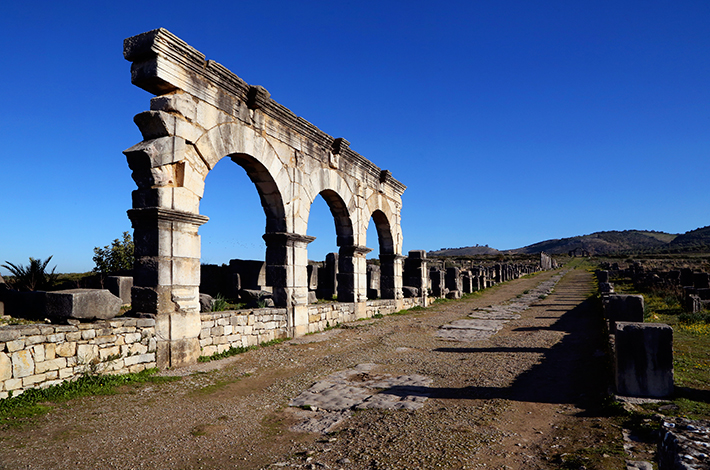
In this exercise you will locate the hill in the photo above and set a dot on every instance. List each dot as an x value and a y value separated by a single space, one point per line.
694 240
464 251
603 243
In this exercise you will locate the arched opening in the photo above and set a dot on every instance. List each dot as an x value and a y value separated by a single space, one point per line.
334 276
380 268
236 263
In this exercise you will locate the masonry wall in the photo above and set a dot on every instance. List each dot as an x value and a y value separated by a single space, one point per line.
321 316
241 328
43 355
40 355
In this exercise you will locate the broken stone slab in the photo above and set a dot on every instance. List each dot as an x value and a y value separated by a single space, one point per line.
82 304
257 298
410 292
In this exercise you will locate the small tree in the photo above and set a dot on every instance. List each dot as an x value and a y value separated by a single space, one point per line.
32 277
118 256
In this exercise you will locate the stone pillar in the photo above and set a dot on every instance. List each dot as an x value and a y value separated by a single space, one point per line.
416 273
287 274
644 359
438 287
352 275
166 282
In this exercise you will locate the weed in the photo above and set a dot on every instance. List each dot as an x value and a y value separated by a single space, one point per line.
233 351
37 401
219 303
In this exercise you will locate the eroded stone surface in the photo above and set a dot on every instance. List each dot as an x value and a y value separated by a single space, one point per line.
331 399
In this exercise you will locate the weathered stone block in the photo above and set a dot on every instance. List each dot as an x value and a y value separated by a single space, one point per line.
5 367
644 359
83 304
86 353
623 308
120 286
22 364
13 346
54 364
66 349
33 379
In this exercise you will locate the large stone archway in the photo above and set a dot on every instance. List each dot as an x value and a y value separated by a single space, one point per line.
202 113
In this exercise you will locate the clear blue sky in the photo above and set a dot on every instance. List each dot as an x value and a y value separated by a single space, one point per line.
511 122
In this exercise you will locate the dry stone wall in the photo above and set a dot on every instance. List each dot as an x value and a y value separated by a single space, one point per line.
42 355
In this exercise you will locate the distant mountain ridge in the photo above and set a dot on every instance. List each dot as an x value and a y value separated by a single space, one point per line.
604 243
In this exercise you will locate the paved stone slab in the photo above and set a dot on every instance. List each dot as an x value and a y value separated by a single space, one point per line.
358 388
485 322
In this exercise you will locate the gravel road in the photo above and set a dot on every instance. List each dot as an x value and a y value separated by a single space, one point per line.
399 392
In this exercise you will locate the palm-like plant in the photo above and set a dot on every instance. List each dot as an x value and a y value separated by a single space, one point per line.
32 277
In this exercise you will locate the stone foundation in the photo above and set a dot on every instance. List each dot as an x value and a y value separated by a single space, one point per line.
41 355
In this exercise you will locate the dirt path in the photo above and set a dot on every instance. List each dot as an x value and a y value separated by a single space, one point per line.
516 400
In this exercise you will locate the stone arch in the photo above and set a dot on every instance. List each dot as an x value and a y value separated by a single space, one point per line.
202 113
387 251
265 169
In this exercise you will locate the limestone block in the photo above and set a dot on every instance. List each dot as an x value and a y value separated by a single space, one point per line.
86 353
74 336
13 384
180 103
110 351
33 379
66 349
22 364
105 339
209 350
185 325
623 308
132 338
50 351
38 353
54 364
5 367
644 359
155 153
36 339
66 373
145 323
56 338
8 334
82 304
137 348
88 334
141 358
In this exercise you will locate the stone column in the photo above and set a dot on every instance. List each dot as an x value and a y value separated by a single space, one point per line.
167 280
287 273
352 273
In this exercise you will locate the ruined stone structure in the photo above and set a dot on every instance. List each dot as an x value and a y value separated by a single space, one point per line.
202 113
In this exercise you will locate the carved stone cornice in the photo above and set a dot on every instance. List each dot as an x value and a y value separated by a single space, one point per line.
169 215
286 238
162 63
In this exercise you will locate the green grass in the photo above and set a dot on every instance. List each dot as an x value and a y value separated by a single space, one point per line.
232 351
37 401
